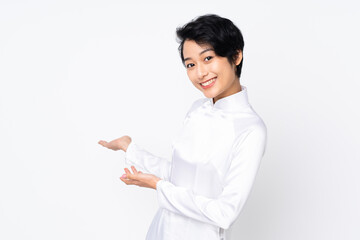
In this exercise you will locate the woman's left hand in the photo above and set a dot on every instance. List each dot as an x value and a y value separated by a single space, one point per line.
139 178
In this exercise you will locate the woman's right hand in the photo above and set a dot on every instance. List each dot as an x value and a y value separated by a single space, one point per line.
121 143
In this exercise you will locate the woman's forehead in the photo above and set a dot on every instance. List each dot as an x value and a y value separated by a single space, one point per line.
192 47
189 42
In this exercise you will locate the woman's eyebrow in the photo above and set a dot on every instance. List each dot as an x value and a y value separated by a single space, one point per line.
208 49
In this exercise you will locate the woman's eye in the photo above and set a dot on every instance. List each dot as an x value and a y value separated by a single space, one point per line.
189 65
208 57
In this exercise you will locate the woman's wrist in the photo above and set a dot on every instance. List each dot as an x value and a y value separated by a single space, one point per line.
126 144
156 182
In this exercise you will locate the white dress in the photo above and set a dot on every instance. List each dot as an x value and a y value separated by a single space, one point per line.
215 158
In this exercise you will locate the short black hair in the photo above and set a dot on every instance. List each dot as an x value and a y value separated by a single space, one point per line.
219 32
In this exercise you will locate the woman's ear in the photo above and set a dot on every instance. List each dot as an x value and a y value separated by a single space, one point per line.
238 57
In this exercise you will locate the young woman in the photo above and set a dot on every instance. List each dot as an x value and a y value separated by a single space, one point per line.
216 156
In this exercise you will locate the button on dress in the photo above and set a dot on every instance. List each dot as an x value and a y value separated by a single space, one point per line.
215 158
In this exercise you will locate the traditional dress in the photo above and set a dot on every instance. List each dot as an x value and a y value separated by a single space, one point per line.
215 158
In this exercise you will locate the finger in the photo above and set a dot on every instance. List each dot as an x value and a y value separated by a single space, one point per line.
129 181
123 176
128 173
126 181
134 169
102 142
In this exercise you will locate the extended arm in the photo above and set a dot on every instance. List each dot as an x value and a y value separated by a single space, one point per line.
139 156
223 210
158 166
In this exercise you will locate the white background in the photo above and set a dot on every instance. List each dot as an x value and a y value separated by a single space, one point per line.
75 72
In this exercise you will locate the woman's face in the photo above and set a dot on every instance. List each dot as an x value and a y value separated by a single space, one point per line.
211 74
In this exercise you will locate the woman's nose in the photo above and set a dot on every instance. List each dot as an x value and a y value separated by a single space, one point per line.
201 71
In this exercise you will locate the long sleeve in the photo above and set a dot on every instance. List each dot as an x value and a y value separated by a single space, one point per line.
221 211
141 158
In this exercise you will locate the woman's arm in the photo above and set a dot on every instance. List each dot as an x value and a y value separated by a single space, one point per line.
139 156
159 166
223 210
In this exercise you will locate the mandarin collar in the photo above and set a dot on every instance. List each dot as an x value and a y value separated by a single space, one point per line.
233 102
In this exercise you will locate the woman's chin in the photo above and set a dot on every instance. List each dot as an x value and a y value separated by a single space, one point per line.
209 94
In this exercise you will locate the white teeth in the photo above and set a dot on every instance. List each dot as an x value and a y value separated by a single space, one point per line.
208 82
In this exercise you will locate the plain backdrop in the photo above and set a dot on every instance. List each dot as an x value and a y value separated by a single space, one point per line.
74 72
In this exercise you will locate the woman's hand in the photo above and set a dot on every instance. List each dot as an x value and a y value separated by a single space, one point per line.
139 178
117 144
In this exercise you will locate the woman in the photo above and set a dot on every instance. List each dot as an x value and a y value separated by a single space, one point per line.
217 153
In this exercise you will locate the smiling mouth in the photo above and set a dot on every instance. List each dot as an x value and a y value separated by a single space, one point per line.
208 82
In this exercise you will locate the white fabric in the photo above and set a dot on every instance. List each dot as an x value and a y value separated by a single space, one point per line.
214 162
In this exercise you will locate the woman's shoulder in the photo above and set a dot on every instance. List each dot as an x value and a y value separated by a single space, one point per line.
248 122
